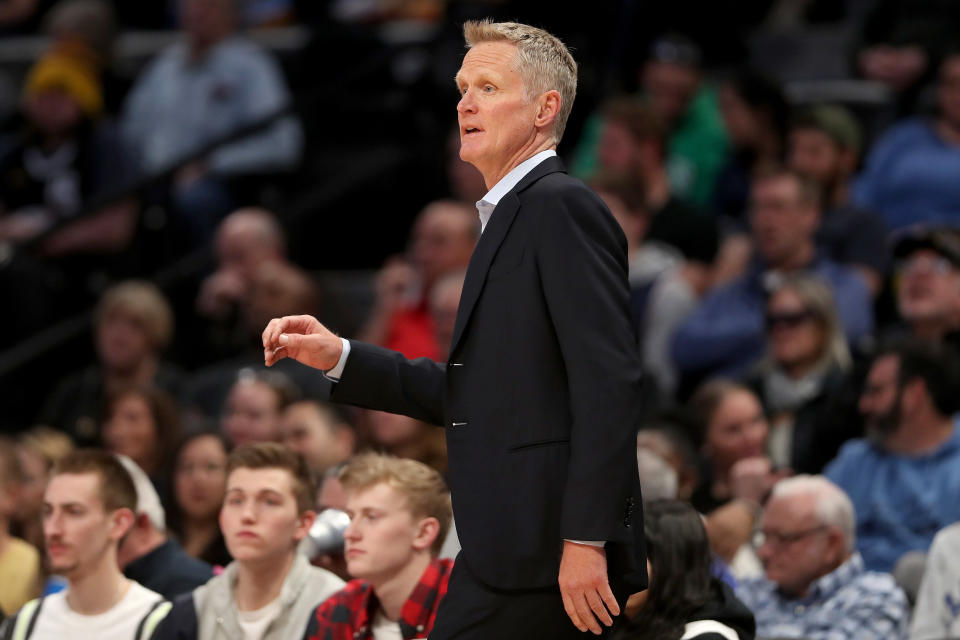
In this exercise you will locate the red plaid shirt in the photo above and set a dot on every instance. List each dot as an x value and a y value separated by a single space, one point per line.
348 614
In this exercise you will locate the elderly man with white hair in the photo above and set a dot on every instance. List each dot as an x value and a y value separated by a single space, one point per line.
816 586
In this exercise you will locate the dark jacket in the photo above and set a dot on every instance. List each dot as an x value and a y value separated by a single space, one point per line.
540 397
169 570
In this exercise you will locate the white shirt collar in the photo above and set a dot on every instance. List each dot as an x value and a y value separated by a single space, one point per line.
486 205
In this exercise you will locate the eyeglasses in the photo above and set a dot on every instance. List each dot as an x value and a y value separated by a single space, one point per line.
937 265
788 319
777 539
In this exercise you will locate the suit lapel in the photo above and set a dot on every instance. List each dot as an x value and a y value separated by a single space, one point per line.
490 241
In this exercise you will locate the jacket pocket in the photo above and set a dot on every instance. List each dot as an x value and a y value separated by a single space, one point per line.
539 443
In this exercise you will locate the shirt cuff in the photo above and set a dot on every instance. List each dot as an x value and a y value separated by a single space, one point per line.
591 543
335 373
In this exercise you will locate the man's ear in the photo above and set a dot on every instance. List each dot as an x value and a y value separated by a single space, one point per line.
548 108
121 523
304 523
427 531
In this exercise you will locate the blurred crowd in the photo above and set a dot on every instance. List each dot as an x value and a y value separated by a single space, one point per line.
787 177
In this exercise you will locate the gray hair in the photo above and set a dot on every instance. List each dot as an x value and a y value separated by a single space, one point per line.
542 60
831 507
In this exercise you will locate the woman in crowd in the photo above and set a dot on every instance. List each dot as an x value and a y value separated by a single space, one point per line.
807 360
684 599
134 323
143 423
39 450
199 484
254 406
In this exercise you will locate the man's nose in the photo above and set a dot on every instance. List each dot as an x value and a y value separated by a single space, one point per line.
467 104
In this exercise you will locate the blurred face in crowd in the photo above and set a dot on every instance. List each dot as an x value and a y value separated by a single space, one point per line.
948 91
277 290
881 395
617 151
816 155
34 483
122 342
659 444
311 432
391 429
54 112
736 430
797 336
200 477
260 519
783 225
132 431
383 536
739 120
244 242
78 531
208 21
796 548
929 288
444 302
497 122
443 240
671 87
251 413
633 223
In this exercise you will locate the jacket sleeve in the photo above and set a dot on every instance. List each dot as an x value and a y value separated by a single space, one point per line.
581 256
180 623
384 380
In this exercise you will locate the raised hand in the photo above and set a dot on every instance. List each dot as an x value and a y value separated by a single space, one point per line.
302 338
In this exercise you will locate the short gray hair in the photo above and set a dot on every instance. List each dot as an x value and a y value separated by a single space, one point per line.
543 62
831 507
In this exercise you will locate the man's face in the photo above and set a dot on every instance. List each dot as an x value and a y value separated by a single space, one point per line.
77 530
782 225
929 288
260 519
442 240
383 535
737 430
122 341
251 414
307 431
671 87
496 121
814 154
796 547
880 398
617 150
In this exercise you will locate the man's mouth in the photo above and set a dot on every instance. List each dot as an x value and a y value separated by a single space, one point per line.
470 130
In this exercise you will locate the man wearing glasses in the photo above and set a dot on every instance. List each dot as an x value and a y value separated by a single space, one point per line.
815 585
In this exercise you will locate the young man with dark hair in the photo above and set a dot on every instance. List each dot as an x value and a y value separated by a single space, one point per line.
269 591
399 517
88 508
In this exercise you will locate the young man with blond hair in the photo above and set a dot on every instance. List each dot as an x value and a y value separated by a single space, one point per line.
541 393
88 508
269 591
399 517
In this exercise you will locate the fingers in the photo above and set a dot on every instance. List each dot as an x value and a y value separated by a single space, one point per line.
608 599
584 612
572 612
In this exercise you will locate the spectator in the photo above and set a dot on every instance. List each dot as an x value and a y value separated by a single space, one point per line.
909 176
200 90
254 406
406 437
755 115
936 615
442 241
904 476
146 555
144 424
696 143
734 430
672 444
725 334
807 360
270 590
684 599
39 449
63 159
825 146
928 282
19 562
88 509
133 324
22 17
199 486
399 517
319 432
444 302
816 587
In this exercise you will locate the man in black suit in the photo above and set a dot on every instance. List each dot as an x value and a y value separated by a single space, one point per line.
540 397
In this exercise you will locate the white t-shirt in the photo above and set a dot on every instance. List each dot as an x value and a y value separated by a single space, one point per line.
57 621
254 623
383 628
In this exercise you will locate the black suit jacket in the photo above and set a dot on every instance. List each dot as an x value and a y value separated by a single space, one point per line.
541 394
